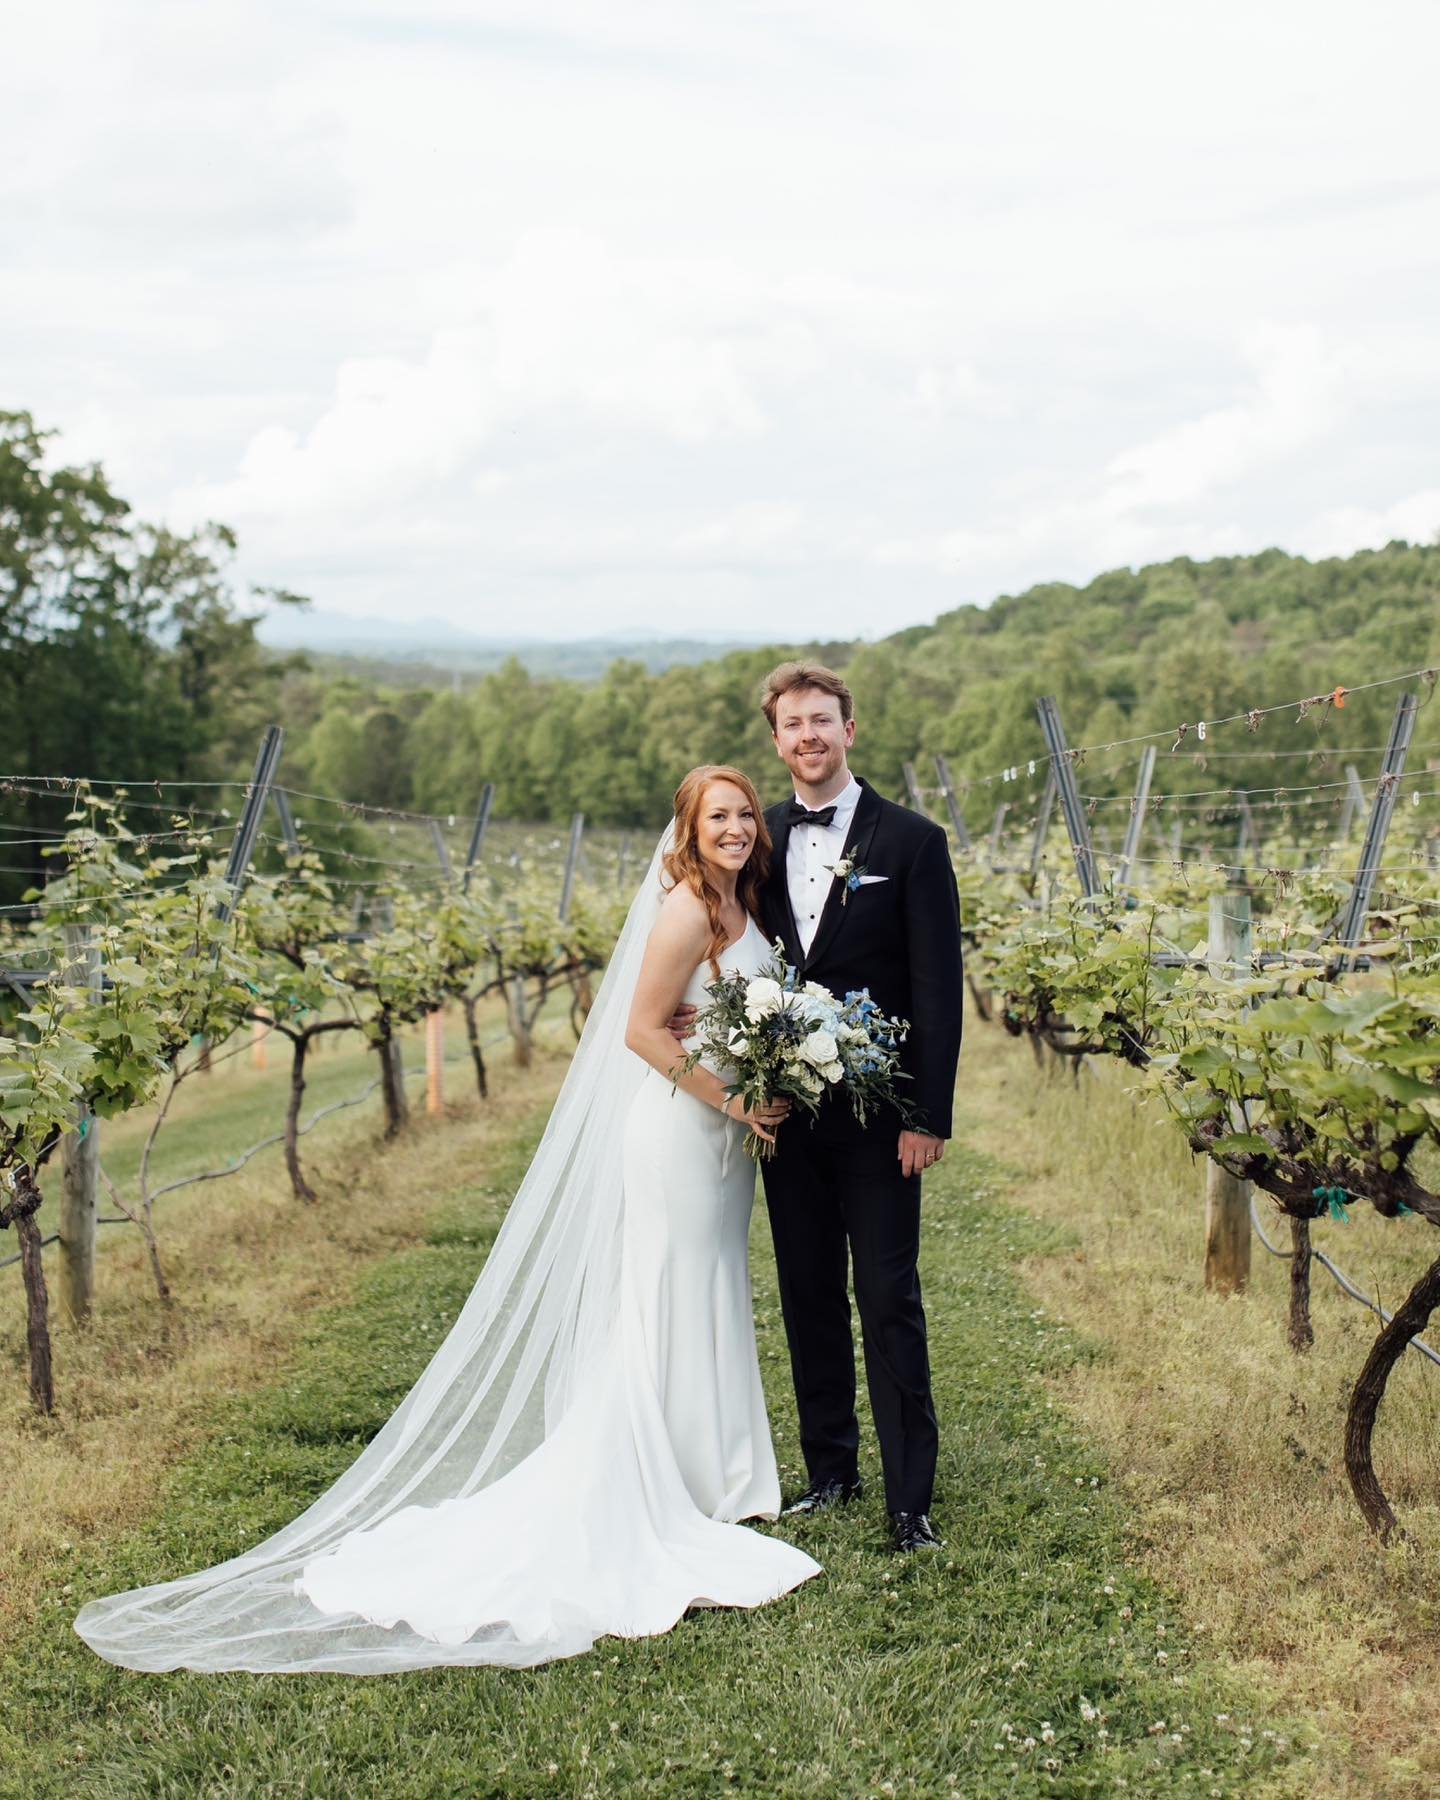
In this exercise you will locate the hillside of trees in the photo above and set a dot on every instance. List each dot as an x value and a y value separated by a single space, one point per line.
125 651
1129 653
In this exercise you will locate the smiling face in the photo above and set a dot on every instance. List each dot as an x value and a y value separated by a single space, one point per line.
725 827
812 740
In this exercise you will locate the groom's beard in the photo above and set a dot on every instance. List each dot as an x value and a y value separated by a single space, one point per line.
816 771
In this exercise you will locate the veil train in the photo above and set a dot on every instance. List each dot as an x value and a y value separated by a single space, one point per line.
517 1373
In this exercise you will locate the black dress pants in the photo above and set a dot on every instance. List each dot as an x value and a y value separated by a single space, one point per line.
835 1200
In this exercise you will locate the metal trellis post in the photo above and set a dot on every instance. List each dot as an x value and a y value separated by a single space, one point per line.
243 848
477 836
952 803
997 828
1351 923
1133 831
1354 801
287 820
572 856
80 1153
442 851
1042 822
1076 822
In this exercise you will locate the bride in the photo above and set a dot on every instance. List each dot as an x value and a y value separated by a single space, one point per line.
576 1458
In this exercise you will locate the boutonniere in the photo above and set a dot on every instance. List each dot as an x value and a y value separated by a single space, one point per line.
849 871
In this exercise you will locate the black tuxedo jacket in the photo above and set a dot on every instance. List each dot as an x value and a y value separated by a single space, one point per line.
899 937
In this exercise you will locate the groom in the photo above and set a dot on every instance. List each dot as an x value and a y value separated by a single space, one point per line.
837 1191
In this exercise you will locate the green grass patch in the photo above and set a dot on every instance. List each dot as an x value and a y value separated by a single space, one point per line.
1025 1658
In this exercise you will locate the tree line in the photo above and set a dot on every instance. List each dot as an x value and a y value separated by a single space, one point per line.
125 649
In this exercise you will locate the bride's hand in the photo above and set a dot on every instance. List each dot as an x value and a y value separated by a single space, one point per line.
764 1120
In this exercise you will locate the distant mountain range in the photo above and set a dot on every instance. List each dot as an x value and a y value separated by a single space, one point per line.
431 652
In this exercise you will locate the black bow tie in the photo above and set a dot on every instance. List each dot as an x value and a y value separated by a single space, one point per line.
797 813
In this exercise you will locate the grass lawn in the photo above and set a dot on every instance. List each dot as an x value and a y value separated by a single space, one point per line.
1029 1657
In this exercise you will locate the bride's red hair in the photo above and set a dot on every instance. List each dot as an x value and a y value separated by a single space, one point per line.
683 861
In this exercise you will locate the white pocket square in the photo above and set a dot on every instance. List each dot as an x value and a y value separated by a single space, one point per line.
865 880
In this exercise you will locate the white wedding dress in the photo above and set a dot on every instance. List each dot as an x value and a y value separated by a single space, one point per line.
624 1517
574 1460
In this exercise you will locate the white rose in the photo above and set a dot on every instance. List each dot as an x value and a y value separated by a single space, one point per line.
738 1044
763 997
809 1082
833 1071
819 1048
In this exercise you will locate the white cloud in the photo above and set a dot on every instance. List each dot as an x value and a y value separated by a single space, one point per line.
828 316
1346 529
1171 494
1294 400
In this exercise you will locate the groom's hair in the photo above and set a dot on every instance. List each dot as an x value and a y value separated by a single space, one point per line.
792 675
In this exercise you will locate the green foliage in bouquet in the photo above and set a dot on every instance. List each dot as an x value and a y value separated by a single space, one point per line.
772 1037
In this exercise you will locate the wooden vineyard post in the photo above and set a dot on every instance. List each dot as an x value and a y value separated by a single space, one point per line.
435 1063
80 1156
1227 1200
259 1033
913 789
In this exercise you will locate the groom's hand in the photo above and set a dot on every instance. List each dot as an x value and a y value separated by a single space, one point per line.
681 1022
918 1150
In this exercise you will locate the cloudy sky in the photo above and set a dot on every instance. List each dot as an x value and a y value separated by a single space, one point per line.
807 318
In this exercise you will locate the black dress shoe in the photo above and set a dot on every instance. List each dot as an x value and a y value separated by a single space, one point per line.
820 1496
913 1531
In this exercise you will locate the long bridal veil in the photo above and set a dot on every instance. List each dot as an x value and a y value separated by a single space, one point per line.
541 1315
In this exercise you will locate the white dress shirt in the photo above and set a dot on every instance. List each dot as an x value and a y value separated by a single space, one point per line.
810 850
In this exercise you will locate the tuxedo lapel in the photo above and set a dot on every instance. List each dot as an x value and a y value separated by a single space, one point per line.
857 848
779 883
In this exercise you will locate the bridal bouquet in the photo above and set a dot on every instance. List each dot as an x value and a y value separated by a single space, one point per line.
773 1037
